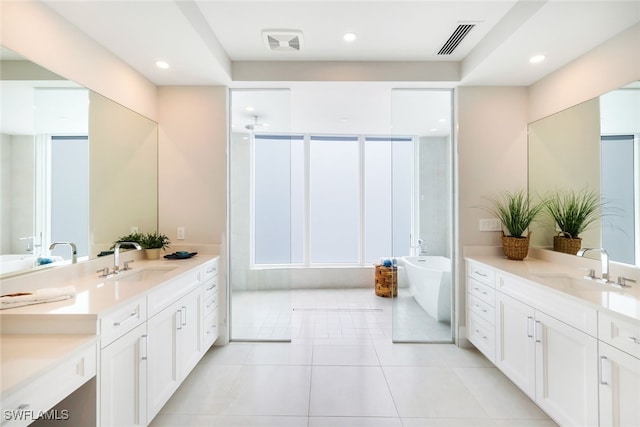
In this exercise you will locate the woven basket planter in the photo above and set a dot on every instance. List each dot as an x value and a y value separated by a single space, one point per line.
567 245
386 281
515 248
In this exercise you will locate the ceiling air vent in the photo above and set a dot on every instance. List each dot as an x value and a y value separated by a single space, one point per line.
455 39
283 40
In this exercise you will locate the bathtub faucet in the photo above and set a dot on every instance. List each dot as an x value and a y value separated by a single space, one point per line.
421 247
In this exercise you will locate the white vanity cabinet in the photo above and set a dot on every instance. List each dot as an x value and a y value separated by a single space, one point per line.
123 380
481 308
175 344
210 327
619 352
552 361
546 343
175 347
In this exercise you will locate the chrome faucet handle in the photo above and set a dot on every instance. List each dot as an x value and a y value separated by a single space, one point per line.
126 265
591 273
104 271
622 282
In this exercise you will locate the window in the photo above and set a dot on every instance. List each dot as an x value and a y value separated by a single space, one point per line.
331 200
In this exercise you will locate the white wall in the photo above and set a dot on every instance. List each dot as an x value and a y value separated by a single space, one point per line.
613 64
192 162
33 30
492 156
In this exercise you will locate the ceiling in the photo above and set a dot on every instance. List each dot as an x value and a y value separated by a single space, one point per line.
205 41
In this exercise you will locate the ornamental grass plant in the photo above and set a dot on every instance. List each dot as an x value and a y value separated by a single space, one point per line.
515 210
574 211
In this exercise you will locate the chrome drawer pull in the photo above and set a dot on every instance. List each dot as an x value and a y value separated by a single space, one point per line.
604 379
480 273
633 339
122 322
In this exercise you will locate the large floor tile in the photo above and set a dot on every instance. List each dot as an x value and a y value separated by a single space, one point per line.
499 397
227 421
280 354
207 390
270 390
443 355
350 391
337 355
431 392
449 422
354 422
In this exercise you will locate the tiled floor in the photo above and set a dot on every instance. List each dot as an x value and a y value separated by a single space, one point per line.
332 313
357 379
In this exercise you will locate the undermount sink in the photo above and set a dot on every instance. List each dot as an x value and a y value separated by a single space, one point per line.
566 282
143 274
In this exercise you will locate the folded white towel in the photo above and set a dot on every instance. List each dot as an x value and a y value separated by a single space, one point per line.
39 296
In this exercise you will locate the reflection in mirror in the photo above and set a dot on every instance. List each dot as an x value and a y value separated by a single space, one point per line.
75 166
594 145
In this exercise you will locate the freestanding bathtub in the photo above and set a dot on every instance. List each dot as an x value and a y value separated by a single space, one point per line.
429 280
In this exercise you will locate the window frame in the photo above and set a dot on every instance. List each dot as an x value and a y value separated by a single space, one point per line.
306 244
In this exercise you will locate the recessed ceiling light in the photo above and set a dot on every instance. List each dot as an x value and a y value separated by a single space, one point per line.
442 120
249 108
434 129
537 59
349 37
161 64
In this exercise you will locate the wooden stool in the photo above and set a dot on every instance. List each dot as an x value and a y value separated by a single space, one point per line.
386 281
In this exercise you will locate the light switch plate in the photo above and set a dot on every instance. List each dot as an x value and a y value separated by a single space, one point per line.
180 233
490 225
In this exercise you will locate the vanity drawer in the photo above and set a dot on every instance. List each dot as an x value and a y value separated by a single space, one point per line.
171 291
210 270
210 303
481 273
481 308
623 334
482 335
210 328
29 402
211 287
481 291
122 320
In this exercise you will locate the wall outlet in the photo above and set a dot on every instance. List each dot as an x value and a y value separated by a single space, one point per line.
490 225
180 233
134 229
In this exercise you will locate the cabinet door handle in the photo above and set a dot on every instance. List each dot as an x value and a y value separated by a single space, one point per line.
530 326
143 347
633 339
184 316
538 331
179 319
127 319
480 273
605 370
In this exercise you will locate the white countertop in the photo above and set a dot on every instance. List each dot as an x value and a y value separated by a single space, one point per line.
97 296
558 278
25 357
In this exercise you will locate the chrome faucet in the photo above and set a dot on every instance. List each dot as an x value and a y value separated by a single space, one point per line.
74 250
421 247
604 260
116 254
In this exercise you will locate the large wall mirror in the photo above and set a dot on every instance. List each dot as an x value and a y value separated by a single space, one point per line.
75 167
594 145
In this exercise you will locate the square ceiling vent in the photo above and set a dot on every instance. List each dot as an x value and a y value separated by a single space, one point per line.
283 40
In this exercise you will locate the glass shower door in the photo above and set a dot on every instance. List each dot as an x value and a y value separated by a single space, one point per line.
264 239
422 190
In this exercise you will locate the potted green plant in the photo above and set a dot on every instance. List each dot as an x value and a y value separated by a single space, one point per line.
153 243
516 212
573 212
